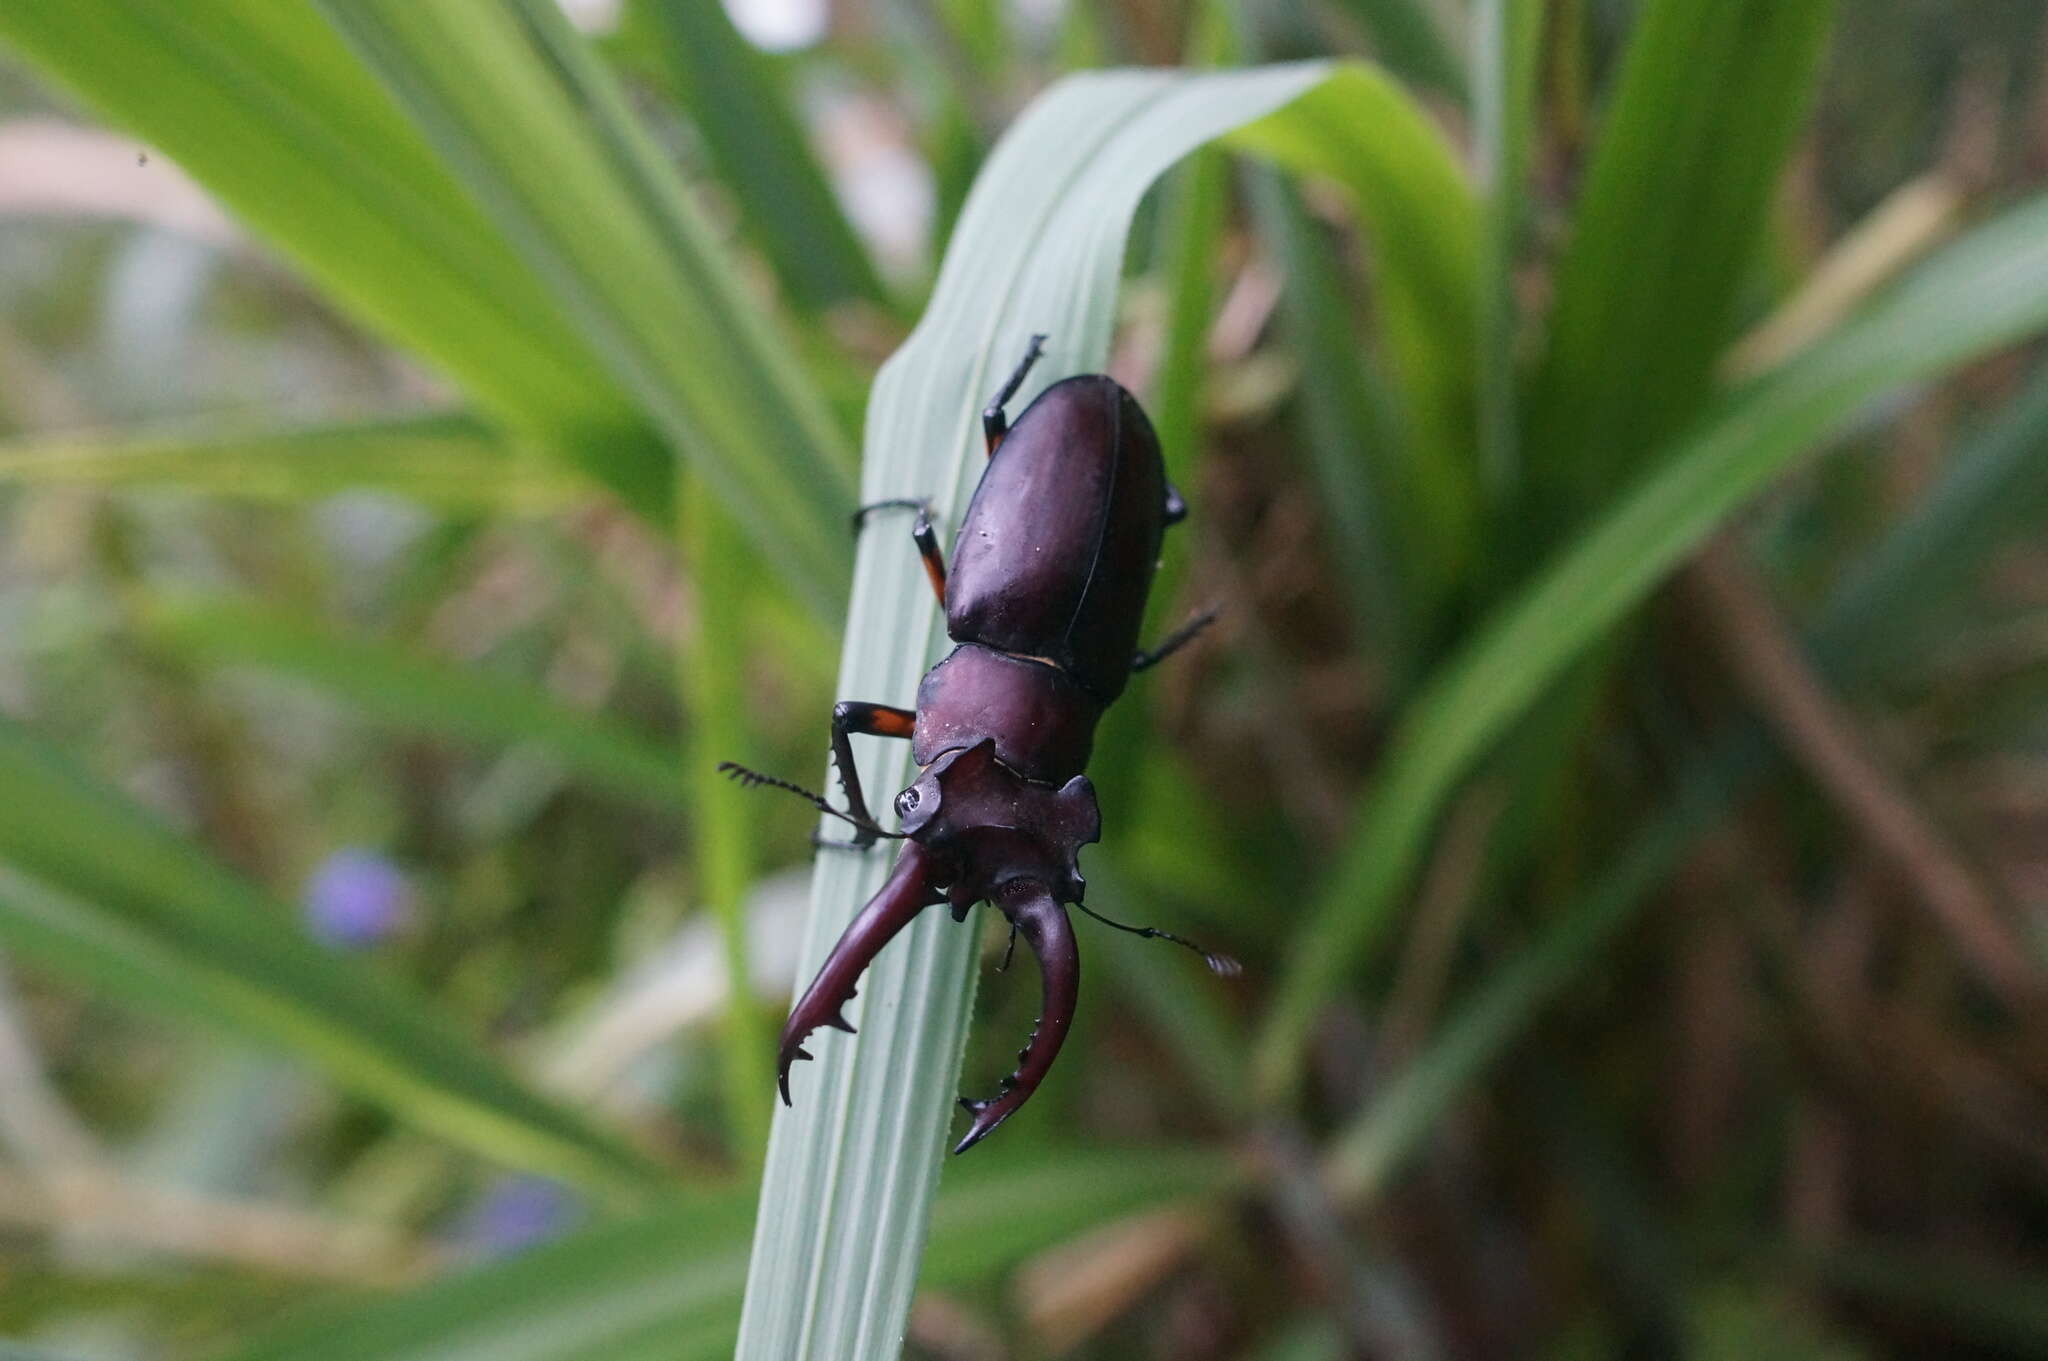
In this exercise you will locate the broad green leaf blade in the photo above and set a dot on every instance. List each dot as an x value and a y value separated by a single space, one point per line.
1986 290
1039 247
448 461
269 111
1421 224
1690 146
666 1286
88 883
416 691
729 89
529 120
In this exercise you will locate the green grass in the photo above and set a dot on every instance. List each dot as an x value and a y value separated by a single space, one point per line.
1559 968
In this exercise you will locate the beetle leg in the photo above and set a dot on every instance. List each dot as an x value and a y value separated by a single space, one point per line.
1046 929
1175 641
920 532
994 423
928 549
860 516
908 892
876 720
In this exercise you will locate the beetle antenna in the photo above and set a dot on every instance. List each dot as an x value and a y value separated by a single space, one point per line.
1222 965
749 778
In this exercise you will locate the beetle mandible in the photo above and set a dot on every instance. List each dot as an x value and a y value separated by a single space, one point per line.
1051 567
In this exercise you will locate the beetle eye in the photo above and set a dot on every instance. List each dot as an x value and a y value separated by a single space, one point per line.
907 801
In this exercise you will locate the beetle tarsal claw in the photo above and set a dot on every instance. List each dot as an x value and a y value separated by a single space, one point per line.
1043 924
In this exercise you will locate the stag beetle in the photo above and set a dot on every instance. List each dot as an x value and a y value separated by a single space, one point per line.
1051 567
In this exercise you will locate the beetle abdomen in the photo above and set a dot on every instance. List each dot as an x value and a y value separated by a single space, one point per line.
1055 556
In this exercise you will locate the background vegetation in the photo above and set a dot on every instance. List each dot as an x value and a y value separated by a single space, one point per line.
1615 438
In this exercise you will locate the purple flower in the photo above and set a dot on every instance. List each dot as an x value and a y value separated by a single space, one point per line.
356 898
517 1213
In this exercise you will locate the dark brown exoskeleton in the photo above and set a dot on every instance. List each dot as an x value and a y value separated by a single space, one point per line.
1050 572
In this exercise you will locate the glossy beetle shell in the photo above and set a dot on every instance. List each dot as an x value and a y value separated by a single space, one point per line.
1055 556
1050 571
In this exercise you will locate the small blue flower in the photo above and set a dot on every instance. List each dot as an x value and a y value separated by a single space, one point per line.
355 898
518 1213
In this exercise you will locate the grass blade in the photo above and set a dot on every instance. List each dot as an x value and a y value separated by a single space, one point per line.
1507 41
1190 225
1405 37
531 123
1995 1306
1421 223
1968 518
712 671
1374 1147
729 89
1393 572
448 461
261 104
1709 97
90 885
1994 491
1189 230
1986 290
417 692
1039 247
667 1285
1190 1021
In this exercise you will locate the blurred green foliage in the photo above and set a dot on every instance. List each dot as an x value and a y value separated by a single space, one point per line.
1614 430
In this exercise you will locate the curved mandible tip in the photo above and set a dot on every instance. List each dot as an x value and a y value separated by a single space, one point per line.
907 892
1044 926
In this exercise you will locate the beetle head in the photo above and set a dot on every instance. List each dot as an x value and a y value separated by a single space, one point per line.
992 826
